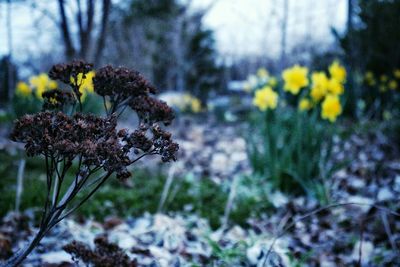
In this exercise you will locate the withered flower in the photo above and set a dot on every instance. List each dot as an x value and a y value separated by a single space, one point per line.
120 85
120 81
151 110
139 140
72 74
91 138
91 142
64 72
162 141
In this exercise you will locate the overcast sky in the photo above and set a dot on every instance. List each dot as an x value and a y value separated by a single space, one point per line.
254 26
241 26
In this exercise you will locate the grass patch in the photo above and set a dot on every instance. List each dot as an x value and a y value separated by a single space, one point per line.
187 195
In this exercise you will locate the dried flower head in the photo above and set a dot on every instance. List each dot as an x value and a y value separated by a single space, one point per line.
163 144
64 72
57 99
151 110
139 140
110 81
92 138
120 85
70 74
93 143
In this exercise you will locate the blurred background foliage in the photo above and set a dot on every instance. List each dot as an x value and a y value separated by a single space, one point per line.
369 44
173 46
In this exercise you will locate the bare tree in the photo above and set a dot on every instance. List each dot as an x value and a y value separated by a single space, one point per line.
89 47
10 72
350 64
284 32
156 44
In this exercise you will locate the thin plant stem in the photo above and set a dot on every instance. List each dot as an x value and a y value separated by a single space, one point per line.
20 183
167 187
229 203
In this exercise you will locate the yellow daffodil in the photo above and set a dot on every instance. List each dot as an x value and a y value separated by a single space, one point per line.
42 83
295 78
305 104
382 88
85 83
273 82
338 72
331 108
23 89
195 105
335 87
319 85
392 85
262 73
52 84
187 98
265 98
383 78
186 102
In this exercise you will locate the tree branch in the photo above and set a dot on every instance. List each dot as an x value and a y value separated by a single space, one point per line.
79 19
69 48
103 31
85 35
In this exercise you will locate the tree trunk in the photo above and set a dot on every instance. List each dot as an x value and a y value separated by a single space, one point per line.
103 31
10 46
284 33
69 49
351 103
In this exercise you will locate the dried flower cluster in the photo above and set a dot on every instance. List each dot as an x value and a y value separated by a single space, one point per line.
110 81
72 74
91 142
105 254
159 143
152 110
64 72
93 139
121 85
